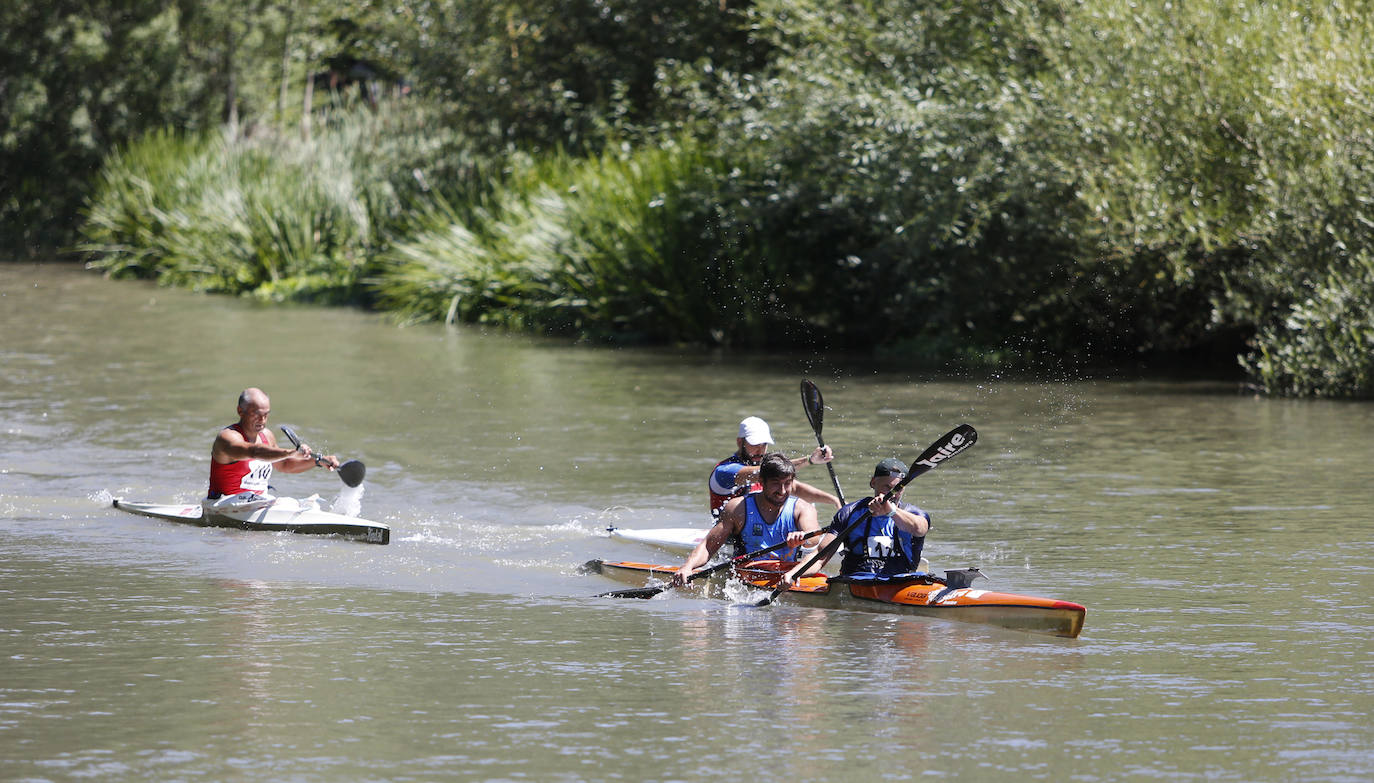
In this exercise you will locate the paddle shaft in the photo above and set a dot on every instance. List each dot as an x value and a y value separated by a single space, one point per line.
814 406
953 442
295 441
350 473
650 592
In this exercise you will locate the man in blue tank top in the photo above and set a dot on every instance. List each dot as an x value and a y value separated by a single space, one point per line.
769 517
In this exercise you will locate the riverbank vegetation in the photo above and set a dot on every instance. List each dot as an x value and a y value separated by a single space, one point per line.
980 184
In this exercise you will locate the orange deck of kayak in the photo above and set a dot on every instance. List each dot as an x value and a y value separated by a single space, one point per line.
931 599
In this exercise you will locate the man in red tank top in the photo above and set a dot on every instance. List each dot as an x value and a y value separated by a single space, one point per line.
245 454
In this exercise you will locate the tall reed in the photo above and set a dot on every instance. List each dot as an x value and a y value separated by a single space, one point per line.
620 246
268 215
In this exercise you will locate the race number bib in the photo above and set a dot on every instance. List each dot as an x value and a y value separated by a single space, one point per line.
259 473
881 547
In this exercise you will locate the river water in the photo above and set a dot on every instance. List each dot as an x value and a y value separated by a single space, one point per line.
1221 542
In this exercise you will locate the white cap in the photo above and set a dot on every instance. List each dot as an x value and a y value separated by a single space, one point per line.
755 431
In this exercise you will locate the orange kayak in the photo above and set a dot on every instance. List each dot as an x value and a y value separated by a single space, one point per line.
926 595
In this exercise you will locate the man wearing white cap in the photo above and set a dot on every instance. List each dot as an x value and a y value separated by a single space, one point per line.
738 474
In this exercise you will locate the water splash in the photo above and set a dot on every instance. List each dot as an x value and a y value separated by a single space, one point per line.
349 502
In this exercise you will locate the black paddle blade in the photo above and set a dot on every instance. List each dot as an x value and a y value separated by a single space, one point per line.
814 405
352 472
962 577
634 592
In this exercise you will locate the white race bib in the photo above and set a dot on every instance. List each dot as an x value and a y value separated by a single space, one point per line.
259 473
881 547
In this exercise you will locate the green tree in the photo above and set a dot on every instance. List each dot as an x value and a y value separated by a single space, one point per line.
540 74
76 80
80 79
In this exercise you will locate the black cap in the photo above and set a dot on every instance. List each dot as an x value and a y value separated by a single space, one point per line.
890 467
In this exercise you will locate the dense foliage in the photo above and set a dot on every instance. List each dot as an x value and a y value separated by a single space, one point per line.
984 182
80 78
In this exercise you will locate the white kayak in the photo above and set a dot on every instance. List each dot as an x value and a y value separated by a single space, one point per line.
284 515
681 539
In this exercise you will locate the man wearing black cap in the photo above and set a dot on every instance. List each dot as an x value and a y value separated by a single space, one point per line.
890 541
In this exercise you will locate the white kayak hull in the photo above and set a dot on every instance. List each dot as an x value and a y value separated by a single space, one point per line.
285 517
674 539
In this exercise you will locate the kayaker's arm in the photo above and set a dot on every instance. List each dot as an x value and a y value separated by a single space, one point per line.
814 494
805 515
230 446
915 524
749 474
725 526
300 463
322 460
911 522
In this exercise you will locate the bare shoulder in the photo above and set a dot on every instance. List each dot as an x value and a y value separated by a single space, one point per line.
732 513
226 440
228 436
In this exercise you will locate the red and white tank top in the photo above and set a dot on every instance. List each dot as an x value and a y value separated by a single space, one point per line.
244 475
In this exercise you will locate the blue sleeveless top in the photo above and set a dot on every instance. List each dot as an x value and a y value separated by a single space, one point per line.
878 546
758 533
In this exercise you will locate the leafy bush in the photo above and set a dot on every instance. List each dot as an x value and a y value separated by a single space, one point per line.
217 215
610 247
1098 179
1325 345
948 182
486 263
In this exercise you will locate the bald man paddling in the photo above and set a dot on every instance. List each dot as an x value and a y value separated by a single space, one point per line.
245 454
